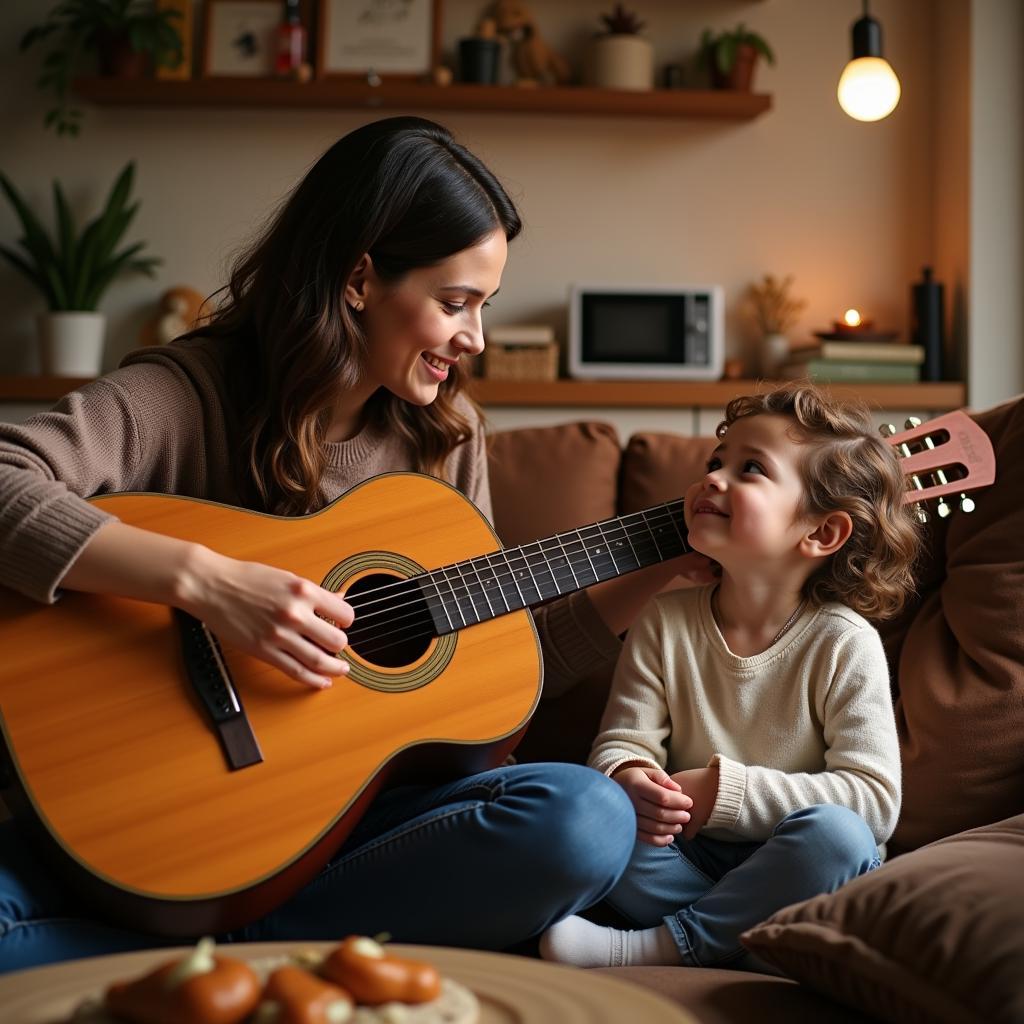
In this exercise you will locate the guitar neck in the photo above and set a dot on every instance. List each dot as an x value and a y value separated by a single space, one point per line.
504 581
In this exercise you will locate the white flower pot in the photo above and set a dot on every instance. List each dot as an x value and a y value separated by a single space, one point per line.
71 344
621 62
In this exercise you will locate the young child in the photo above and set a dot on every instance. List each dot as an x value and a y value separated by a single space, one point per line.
750 721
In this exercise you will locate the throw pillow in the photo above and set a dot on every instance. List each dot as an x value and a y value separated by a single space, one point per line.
932 936
960 709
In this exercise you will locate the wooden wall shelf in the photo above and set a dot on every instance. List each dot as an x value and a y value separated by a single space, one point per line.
336 94
656 394
634 394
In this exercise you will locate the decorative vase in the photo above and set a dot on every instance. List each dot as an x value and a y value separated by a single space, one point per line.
774 354
621 61
71 344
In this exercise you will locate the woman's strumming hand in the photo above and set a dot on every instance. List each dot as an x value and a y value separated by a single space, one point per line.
281 618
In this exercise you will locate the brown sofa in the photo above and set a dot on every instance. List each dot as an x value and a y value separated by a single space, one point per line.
937 934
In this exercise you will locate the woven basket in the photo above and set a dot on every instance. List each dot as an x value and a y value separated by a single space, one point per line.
521 362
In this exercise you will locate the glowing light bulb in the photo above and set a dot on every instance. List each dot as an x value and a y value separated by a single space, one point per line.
868 89
851 318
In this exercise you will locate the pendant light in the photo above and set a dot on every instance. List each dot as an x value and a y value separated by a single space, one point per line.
868 87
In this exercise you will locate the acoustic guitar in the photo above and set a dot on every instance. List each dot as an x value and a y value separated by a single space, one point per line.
189 789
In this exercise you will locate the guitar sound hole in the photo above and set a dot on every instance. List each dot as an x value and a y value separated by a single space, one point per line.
392 625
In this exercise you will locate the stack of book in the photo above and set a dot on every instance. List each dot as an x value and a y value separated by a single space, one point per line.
882 361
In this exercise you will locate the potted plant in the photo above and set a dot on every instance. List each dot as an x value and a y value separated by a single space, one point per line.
731 56
774 311
126 35
620 58
73 270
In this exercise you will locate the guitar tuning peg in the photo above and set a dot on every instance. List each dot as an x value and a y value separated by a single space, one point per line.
912 421
921 512
887 429
944 509
966 504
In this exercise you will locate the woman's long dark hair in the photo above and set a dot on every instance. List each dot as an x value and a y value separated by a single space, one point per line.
400 189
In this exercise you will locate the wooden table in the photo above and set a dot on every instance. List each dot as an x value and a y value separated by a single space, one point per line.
511 989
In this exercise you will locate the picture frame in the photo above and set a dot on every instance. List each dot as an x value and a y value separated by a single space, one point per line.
239 38
390 38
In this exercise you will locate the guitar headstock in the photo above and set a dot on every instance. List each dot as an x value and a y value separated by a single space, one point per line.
949 455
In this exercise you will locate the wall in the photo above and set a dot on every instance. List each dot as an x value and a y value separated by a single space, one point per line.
850 209
995 308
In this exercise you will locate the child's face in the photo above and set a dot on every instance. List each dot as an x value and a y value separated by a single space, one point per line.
745 512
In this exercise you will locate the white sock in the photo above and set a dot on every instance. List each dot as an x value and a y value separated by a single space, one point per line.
584 944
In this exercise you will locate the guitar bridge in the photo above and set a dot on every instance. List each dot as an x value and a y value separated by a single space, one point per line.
210 678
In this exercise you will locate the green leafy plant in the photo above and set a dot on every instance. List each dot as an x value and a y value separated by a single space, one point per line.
718 51
76 27
72 270
622 22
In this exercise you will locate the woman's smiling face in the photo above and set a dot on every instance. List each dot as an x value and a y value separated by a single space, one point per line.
420 326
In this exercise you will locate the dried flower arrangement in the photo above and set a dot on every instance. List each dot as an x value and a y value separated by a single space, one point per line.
773 308
622 22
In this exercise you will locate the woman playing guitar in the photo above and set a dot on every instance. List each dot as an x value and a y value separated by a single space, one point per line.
338 353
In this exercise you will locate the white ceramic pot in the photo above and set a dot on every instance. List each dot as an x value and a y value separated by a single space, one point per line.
71 344
621 62
774 354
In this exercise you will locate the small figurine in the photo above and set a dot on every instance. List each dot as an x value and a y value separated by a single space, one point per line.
534 61
179 312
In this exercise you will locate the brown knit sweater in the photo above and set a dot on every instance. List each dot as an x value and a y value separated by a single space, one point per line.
161 423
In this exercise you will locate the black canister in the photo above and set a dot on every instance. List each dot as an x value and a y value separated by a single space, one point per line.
927 328
479 60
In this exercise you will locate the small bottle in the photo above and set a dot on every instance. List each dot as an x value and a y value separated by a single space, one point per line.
291 42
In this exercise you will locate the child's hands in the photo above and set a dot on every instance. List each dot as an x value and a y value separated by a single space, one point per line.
662 809
701 785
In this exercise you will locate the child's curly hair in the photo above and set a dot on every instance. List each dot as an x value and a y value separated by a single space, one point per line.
849 468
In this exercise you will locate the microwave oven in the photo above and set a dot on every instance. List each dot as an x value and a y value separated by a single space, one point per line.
653 332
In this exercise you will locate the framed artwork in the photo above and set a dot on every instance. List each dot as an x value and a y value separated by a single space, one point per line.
239 37
389 37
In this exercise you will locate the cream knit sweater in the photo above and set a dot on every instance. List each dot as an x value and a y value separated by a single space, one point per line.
162 423
808 721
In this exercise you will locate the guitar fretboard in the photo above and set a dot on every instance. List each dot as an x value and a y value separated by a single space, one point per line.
504 581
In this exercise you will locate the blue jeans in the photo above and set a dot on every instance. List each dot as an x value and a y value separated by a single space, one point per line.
484 862
707 892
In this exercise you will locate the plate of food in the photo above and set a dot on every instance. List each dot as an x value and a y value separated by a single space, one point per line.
355 981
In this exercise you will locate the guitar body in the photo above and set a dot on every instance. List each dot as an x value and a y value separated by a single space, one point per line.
113 756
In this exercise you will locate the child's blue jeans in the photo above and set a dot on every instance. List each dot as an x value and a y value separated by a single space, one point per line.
486 862
707 892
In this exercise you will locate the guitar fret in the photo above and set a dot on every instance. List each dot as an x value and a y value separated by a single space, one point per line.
482 588
545 590
510 596
455 600
568 561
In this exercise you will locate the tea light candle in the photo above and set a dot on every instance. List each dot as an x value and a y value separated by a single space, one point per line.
852 323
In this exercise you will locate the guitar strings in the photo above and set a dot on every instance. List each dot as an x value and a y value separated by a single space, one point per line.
360 634
660 516
459 585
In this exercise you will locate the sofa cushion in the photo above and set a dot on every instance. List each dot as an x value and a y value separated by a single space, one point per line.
960 706
659 467
547 479
933 935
